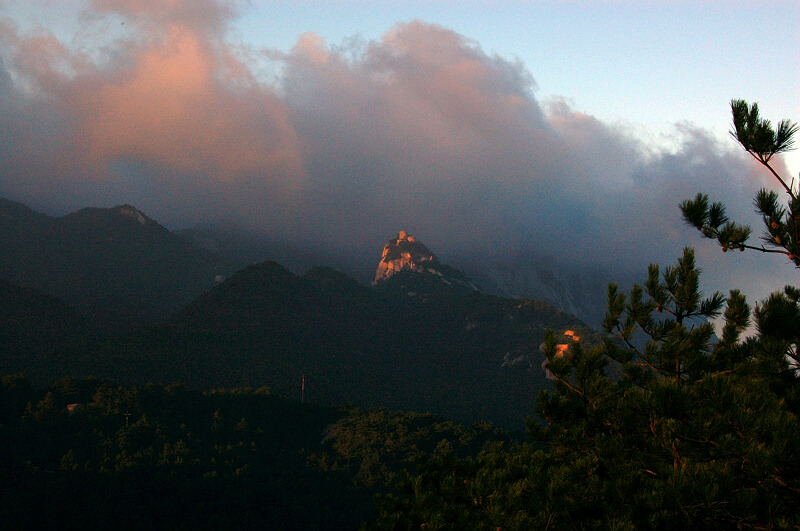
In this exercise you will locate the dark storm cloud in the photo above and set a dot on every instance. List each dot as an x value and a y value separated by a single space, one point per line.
420 130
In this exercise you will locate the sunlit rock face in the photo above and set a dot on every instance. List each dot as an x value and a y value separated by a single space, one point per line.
131 212
403 253
561 350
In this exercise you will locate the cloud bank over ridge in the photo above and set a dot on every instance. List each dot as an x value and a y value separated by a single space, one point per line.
342 145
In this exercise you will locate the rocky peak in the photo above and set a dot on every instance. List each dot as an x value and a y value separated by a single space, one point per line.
131 212
403 253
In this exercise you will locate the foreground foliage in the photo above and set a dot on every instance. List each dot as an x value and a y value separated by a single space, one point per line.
696 434
762 141
89 454
691 431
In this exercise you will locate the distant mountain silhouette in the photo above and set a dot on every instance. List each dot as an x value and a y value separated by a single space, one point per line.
116 265
423 338
246 247
464 355
573 288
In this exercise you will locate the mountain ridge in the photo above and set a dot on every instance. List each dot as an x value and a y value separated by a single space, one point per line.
116 265
350 343
424 339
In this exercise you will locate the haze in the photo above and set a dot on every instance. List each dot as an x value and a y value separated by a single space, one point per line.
409 123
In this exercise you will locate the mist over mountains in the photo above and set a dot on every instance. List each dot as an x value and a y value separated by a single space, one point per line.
578 291
337 146
145 305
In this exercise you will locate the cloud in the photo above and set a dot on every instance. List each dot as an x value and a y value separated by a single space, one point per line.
182 108
412 127
169 107
420 130
209 18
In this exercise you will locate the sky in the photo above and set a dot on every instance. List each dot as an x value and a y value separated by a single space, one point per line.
557 130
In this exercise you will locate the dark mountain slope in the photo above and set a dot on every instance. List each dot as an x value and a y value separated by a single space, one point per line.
34 327
465 355
115 264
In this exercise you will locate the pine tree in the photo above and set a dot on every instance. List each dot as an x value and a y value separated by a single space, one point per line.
778 318
691 436
664 425
686 431
781 222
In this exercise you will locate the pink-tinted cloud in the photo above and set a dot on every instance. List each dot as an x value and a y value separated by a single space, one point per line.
169 107
208 18
425 123
420 130
182 104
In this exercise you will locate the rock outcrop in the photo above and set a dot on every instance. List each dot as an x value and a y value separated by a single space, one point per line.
131 212
403 253
561 350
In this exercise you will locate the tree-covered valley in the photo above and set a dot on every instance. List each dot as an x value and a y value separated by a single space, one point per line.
91 454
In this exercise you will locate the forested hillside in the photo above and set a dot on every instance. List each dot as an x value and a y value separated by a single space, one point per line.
412 343
90 454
